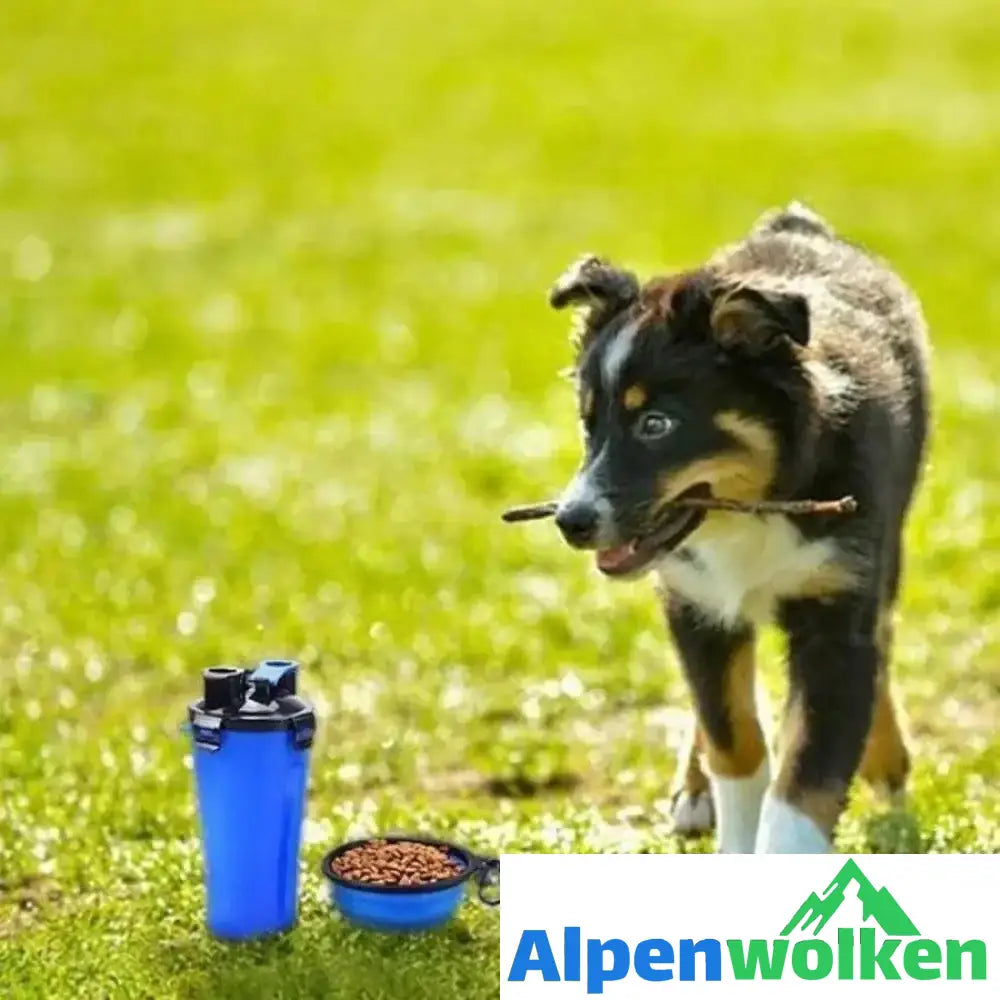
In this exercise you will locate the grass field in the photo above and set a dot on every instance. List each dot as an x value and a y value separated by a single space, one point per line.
275 352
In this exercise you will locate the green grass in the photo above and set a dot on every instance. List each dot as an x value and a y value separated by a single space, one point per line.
275 353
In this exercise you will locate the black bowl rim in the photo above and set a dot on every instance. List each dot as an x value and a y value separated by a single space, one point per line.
471 861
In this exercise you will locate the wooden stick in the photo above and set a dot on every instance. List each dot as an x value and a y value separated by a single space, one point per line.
845 505
531 512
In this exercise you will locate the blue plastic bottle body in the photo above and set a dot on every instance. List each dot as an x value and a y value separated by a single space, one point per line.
251 801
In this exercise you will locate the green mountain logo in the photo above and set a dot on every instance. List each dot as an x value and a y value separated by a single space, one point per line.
879 905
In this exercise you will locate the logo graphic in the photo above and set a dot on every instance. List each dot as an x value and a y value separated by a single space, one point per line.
879 905
853 931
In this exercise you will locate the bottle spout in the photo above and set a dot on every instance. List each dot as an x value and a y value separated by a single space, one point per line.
273 679
224 688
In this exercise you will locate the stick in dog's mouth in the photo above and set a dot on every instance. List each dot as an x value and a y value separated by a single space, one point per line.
845 505
530 512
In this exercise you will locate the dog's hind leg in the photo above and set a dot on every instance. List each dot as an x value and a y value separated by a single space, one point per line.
718 663
886 761
691 805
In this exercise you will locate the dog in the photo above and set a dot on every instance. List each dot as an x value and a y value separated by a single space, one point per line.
792 365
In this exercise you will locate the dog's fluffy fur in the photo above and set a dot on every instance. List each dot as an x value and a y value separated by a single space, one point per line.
792 365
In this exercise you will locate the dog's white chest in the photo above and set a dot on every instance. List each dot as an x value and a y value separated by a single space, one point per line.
737 566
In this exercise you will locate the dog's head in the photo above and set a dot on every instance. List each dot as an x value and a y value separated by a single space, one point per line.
687 386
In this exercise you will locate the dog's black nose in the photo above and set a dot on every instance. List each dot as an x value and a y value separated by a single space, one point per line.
578 522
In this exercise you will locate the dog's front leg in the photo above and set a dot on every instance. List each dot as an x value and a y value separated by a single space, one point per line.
833 665
719 665
691 800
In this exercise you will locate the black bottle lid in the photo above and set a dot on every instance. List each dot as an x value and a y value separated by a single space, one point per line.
263 699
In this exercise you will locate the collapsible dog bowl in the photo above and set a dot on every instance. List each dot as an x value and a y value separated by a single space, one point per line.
408 909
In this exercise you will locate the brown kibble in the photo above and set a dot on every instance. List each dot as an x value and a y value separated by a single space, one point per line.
403 863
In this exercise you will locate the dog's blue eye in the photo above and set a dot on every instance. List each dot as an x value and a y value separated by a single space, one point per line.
652 425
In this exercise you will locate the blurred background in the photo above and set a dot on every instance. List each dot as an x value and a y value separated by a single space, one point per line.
275 353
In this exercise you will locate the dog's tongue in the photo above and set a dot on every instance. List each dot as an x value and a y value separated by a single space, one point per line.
611 559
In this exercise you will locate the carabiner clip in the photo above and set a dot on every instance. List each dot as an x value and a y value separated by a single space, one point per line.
488 878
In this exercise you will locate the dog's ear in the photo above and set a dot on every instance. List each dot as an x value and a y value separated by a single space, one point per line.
593 281
757 320
598 289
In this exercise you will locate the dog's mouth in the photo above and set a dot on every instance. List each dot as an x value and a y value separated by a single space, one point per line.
664 536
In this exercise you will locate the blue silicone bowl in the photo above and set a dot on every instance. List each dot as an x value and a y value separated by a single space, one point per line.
411 909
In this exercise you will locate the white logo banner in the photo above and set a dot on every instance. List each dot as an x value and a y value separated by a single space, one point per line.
637 926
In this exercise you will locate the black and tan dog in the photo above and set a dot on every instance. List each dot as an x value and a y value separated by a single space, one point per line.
791 366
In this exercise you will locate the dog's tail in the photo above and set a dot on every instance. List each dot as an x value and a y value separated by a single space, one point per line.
794 218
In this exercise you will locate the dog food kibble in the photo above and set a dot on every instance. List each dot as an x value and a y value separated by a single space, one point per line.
400 863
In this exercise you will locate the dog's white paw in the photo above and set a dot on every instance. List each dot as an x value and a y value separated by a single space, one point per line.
693 813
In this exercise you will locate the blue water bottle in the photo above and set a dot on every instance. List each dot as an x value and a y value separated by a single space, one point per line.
251 762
